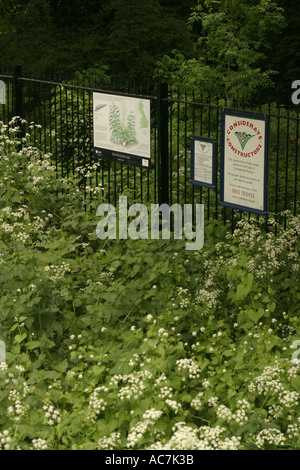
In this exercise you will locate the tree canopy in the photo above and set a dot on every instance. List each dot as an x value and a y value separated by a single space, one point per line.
64 36
232 48
237 48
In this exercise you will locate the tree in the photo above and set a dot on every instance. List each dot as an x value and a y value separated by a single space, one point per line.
139 32
286 56
235 37
66 36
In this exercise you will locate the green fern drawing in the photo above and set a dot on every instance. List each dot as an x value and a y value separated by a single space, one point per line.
122 132
144 122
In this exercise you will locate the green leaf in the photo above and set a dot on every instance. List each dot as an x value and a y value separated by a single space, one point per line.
255 315
33 345
20 338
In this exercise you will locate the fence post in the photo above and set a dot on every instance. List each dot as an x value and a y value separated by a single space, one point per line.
163 144
18 98
18 91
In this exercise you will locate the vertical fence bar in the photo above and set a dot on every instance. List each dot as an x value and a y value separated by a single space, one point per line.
286 168
18 107
17 91
178 146
185 145
217 159
163 145
296 164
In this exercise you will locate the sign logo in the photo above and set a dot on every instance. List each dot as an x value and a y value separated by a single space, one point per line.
243 138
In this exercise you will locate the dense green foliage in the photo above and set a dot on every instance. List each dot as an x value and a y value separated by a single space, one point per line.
234 47
62 37
139 344
231 51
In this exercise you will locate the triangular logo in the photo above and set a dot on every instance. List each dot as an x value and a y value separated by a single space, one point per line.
243 138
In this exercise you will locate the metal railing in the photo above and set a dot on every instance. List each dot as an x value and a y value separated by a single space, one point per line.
65 112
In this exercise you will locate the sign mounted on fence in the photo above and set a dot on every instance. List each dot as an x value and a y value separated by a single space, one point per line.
203 161
244 161
2 92
122 131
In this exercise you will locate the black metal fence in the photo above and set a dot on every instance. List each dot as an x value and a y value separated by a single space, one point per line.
64 111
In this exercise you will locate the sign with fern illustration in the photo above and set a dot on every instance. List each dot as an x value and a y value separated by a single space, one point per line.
244 161
122 129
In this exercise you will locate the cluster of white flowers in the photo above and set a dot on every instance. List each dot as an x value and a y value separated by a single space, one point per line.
52 416
58 271
269 256
39 166
134 384
212 438
94 190
165 392
243 404
292 431
240 417
39 444
17 410
3 366
96 404
293 371
184 438
205 438
274 411
152 415
224 413
135 359
138 431
271 437
206 383
213 401
132 391
38 224
174 405
5 440
207 299
110 442
289 399
10 223
190 366
163 333
268 382
86 171
160 379
196 402
184 296
37 171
